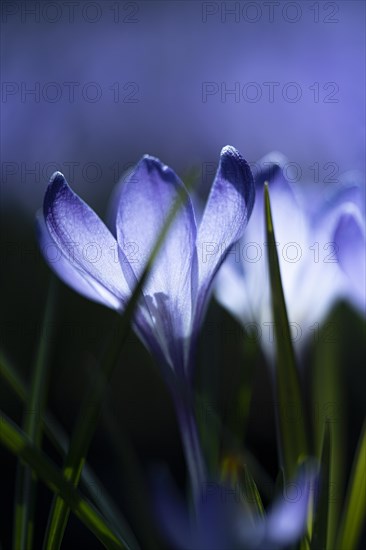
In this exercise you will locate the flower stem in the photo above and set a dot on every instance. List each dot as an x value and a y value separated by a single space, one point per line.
191 442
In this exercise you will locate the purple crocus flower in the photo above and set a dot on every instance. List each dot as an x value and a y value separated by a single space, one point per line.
105 266
321 250
225 519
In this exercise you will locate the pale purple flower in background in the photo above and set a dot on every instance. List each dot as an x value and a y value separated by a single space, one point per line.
321 250
225 518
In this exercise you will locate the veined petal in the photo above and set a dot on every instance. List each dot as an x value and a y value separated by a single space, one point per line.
350 240
78 280
146 199
227 211
83 239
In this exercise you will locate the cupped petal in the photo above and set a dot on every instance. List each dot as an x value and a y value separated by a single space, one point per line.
78 280
350 240
225 217
85 243
145 201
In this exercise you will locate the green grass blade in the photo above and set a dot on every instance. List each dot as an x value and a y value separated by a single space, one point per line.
320 528
354 513
292 433
252 494
11 376
25 497
90 408
55 433
329 402
18 444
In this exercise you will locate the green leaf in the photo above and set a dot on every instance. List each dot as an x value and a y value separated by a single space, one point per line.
90 408
26 485
59 440
329 403
355 505
252 493
293 439
320 528
18 443
10 375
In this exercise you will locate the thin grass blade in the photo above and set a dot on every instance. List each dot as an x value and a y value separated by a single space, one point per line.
56 435
18 444
320 528
26 486
293 439
252 493
329 402
354 513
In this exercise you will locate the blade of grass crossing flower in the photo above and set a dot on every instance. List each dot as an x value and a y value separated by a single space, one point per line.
18 444
354 512
320 528
292 431
89 411
59 440
25 497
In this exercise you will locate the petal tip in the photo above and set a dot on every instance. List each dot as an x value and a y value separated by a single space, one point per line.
151 163
236 170
230 156
57 177
229 151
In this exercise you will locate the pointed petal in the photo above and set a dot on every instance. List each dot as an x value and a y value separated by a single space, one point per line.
78 280
145 202
227 211
83 239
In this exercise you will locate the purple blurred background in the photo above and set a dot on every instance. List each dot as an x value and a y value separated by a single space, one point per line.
114 80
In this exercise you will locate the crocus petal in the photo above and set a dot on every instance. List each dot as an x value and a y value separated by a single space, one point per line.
230 290
291 239
78 280
350 240
227 211
145 202
286 522
84 241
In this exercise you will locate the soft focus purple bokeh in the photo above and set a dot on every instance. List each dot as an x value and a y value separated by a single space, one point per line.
169 50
